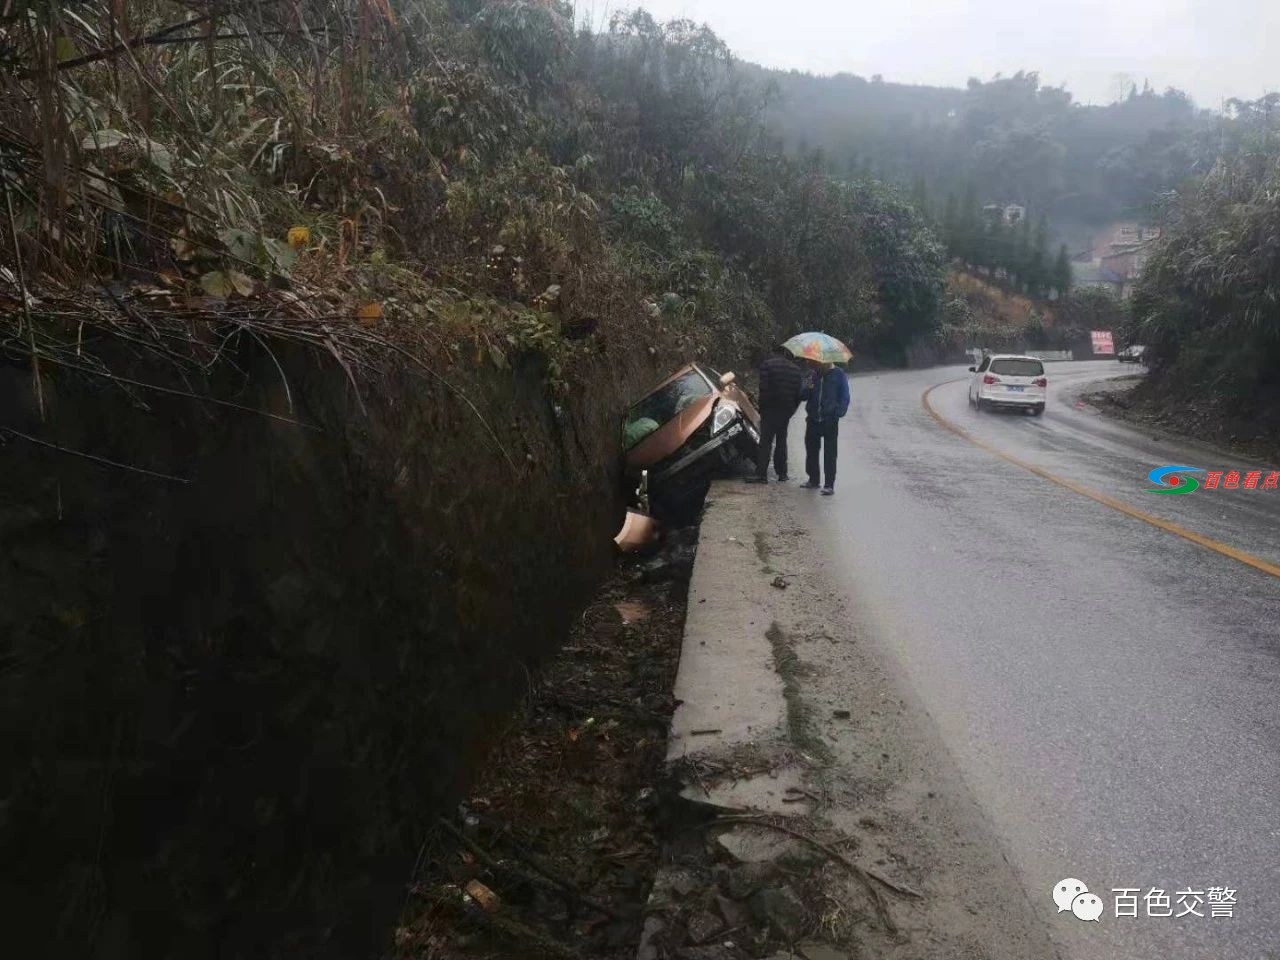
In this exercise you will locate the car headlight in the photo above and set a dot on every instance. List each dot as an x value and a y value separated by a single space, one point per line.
726 414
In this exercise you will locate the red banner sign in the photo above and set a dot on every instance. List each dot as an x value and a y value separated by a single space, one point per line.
1102 342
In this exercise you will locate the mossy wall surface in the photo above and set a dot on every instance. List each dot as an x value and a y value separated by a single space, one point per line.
232 707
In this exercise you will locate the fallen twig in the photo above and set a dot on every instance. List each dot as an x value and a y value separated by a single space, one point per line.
492 863
89 456
549 874
514 929
804 793
863 874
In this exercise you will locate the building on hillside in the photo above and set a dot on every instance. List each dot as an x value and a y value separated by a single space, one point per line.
1125 233
1010 214
1116 257
1121 268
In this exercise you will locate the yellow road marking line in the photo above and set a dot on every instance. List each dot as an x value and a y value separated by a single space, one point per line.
1207 542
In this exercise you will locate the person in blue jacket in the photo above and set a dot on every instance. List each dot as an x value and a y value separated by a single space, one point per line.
826 396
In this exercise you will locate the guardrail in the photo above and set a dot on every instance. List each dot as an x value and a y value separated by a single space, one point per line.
1048 356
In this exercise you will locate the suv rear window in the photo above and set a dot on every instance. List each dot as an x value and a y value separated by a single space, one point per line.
1018 368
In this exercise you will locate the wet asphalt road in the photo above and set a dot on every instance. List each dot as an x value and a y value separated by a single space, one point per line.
1110 690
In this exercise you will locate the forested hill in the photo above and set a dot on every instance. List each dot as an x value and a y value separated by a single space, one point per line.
1009 139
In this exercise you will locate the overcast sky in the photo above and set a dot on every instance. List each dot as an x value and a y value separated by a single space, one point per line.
1213 49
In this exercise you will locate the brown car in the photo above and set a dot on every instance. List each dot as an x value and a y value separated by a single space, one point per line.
689 426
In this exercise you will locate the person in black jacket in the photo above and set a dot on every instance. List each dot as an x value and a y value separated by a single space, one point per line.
781 380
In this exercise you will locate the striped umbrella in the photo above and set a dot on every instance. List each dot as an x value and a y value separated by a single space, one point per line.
821 347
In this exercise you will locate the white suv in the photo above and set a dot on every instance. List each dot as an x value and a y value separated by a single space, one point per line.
1009 380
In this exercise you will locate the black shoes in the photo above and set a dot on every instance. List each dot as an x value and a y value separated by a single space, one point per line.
809 485
755 480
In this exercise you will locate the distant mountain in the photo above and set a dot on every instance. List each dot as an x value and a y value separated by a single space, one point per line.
1008 140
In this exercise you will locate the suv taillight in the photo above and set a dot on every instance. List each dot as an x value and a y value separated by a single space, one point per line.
1042 382
989 379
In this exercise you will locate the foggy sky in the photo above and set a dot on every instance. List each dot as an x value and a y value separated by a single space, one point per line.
1213 49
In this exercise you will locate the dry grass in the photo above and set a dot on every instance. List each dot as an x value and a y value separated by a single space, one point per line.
1004 307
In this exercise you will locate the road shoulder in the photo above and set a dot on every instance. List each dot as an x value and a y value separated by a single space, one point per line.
1112 400
803 754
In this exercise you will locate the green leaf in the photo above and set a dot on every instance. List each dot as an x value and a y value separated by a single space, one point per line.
282 257
216 283
103 139
241 244
158 154
65 48
242 283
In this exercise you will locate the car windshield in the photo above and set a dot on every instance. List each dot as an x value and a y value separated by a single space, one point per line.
663 405
1018 367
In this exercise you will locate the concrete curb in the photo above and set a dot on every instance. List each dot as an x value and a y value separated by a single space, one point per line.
732 702
728 745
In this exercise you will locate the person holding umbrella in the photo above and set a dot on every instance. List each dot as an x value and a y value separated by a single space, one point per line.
826 396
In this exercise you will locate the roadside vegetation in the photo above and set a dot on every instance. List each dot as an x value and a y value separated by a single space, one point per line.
1205 307
479 169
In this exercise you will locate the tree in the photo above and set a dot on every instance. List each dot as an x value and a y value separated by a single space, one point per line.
920 197
908 265
1205 304
1062 273
968 241
1021 261
950 223
1037 278
1090 308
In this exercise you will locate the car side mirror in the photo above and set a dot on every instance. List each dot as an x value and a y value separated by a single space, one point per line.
973 369
726 379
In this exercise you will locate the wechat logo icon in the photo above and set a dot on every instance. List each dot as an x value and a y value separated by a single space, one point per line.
1071 894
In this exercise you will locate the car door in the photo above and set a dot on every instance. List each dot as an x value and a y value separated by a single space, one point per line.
976 378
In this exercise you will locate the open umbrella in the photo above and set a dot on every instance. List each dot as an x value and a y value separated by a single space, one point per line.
821 347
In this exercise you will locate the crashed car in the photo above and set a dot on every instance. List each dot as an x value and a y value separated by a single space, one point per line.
695 423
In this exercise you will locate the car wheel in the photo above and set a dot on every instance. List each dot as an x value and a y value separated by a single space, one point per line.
980 404
746 448
1037 409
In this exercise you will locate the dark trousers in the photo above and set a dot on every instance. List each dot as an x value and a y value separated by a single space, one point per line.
821 434
773 433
